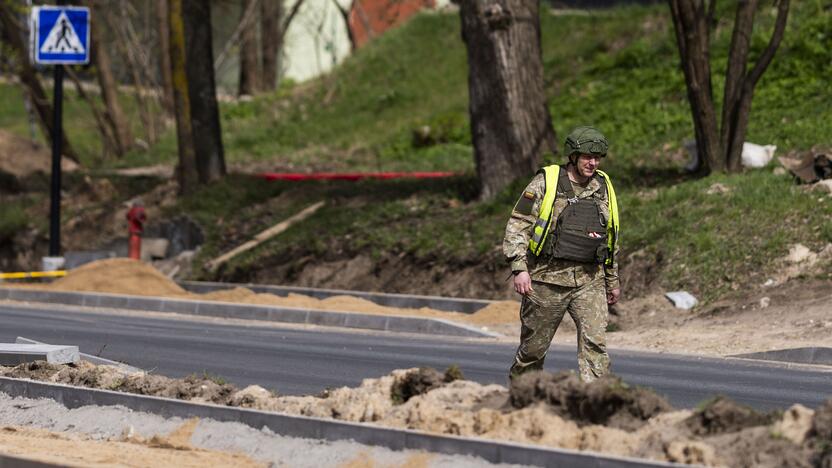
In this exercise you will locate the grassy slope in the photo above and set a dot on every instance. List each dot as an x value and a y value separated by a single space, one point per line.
618 71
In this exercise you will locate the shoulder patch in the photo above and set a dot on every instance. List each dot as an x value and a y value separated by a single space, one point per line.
525 203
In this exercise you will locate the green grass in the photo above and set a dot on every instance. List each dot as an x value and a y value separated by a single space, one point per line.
13 219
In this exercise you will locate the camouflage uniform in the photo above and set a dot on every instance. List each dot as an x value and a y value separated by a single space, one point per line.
559 286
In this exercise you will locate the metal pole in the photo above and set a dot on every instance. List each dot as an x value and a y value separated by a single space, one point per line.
55 193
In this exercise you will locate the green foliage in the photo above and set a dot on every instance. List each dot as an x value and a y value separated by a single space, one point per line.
13 219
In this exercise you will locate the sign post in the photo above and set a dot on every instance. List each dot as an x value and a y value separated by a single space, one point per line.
60 35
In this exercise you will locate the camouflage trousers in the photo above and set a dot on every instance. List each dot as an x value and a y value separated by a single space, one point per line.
540 315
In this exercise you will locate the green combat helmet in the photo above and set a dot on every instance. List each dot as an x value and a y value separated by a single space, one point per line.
585 140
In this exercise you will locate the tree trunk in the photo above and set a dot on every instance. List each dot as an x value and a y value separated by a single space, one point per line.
119 127
510 121
272 42
186 170
691 26
720 148
205 116
164 55
248 56
12 35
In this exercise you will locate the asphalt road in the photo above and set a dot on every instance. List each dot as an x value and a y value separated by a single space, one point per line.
306 361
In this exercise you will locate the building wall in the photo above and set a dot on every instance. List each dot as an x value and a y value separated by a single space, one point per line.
316 40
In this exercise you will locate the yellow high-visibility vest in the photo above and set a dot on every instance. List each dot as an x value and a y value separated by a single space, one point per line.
540 229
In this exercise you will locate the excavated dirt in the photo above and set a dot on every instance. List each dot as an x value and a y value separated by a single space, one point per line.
555 410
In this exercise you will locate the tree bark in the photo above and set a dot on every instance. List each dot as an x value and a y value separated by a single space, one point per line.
12 35
248 55
164 55
119 127
272 42
205 116
510 122
720 148
186 171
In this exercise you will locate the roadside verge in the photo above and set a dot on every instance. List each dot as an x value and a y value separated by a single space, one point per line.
391 323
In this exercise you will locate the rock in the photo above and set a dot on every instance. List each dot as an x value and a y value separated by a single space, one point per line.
718 189
799 253
795 424
824 186
780 171
690 452
765 302
682 299
754 155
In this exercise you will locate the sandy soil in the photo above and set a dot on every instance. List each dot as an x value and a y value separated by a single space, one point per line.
555 410
22 157
72 449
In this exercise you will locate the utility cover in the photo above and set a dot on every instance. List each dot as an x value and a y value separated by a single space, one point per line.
60 35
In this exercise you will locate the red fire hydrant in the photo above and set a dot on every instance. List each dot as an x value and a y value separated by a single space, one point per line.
136 218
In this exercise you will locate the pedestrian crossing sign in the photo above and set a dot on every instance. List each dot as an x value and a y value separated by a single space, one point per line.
60 35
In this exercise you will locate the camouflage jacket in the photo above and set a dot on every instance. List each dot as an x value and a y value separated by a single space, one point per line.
551 270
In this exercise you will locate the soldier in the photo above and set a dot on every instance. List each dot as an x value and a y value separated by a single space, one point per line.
561 241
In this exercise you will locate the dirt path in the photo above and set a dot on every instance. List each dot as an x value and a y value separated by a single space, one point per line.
73 449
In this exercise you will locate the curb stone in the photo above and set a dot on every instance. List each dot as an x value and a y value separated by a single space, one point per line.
332 430
392 323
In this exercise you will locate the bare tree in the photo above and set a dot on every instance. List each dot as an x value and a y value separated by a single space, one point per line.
108 139
510 122
271 40
720 148
248 54
205 116
163 26
114 116
12 36
186 171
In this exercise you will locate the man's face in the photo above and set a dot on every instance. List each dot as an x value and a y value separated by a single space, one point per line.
587 164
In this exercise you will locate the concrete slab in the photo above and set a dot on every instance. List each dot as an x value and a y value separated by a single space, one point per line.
86 357
12 354
302 426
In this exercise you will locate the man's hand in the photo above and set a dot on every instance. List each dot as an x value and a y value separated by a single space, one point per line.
523 283
612 294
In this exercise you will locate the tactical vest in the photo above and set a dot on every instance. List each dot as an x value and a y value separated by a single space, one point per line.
572 239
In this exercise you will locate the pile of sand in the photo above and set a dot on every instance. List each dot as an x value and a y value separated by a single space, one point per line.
556 410
118 276
74 449
126 276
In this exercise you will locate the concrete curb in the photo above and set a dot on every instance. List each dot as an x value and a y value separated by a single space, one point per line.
9 461
89 357
404 324
317 428
407 301
814 355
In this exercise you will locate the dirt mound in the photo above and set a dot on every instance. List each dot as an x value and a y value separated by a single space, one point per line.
22 157
121 276
555 410
607 401
86 374
422 381
722 415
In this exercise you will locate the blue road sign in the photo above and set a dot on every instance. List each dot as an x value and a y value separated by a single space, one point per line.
60 35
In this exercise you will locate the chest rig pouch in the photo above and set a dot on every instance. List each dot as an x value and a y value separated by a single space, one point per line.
579 233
